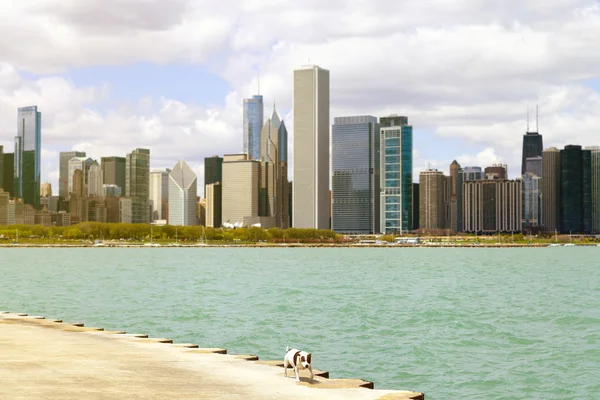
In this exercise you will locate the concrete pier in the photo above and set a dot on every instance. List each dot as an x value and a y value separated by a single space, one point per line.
49 359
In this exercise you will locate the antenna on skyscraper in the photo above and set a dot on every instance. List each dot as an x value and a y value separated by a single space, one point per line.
527 116
537 125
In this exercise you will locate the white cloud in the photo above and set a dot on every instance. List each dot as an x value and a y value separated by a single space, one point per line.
464 69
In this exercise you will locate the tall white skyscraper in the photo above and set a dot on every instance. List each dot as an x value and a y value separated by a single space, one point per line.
84 165
159 193
311 148
95 179
182 195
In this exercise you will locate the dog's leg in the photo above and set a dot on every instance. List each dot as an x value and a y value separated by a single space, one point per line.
285 366
297 376
312 376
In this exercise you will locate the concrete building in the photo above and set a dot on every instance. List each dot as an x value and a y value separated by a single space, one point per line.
113 209
456 181
83 164
97 209
46 190
43 217
252 125
472 174
576 190
356 175
62 218
95 179
491 206
201 211
159 193
137 184
77 197
24 214
28 150
125 210
183 185
240 187
311 148
595 187
63 171
432 205
415 208
213 204
496 171
114 171
8 173
4 208
396 181
551 189
2 167
531 201
51 203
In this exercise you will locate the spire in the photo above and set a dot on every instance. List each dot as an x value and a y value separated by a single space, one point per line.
527 117
537 125
275 117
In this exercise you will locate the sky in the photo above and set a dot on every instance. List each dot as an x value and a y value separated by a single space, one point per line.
171 75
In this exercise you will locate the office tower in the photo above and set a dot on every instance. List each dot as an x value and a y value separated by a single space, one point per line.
95 179
112 190
213 205
532 146
595 187
396 208
46 190
534 165
241 180
159 193
415 208
97 209
201 211
113 171
472 174
63 171
8 173
213 170
431 200
531 200
1 167
253 123
456 181
311 148
28 147
182 195
4 208
77 197
273 196
551 195
113 208
496 171
51 203
356 175
576 190
83 164
492 206
125 210
137 184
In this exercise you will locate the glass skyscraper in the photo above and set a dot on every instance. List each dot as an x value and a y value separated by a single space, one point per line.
532 147
28 146
356 181
576 190
396 175
531 200
137 184
253 123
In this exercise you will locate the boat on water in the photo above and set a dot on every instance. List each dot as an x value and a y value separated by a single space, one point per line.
554 245
569 245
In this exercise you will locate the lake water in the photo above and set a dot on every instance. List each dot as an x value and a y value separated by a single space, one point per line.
453 323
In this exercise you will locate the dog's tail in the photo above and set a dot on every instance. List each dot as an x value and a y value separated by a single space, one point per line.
287 348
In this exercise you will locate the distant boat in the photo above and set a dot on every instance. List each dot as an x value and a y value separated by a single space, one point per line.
554 245
570 245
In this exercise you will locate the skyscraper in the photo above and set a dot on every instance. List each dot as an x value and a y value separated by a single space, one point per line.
253 123
95 185
311 148
63 171
159 193
493 206
396 146
551 196
531 200
456 181
183 186
534 165
83 164
113 171
137 184
431 200
241 178
532 147
213 170
8 172
472 174
2 167
356 175
28 147
595 187
576 190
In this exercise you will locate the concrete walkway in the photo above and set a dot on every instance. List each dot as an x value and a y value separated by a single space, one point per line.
50 360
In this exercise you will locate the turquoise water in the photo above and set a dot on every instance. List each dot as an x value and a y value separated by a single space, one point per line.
453 323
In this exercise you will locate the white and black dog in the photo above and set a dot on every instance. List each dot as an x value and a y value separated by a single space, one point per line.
298 360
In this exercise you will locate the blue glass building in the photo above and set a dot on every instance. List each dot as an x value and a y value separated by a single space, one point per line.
27 158
253 123
355 184
396 175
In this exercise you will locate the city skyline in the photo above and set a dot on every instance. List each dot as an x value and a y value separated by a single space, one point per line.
189 90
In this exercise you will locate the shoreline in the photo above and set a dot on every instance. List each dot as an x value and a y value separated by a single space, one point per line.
87 362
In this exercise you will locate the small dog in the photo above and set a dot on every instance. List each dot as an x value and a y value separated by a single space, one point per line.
298 360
